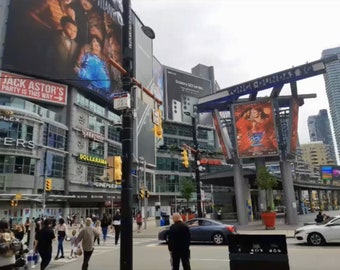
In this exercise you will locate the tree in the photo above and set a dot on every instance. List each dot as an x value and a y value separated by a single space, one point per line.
266 181
187 188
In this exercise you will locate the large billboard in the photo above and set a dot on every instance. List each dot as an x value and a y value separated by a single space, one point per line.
182 93
255 129
330 173
66 41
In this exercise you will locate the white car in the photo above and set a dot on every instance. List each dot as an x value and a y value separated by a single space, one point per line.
320 233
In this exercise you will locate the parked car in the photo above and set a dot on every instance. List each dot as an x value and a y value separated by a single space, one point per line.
318 234
204 230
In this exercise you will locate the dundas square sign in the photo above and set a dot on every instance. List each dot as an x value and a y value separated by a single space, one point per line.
17 85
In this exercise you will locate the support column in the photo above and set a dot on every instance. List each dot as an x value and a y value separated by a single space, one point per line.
239 185
261 199
249 204
320 199
67 209
310 197
288 190
301 203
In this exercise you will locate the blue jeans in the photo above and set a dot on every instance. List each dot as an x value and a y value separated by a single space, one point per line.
60 245
104 230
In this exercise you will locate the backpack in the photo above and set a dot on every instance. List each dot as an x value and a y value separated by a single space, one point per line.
9 245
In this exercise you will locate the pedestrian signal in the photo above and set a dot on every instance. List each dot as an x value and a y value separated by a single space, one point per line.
185 158
48 184
147 194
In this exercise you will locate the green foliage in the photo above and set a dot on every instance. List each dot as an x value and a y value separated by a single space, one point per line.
264 179
187 188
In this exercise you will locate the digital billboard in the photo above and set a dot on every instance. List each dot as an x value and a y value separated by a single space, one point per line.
255 129
66 41
326 173
182 93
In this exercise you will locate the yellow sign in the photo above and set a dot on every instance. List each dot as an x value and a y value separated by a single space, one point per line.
18 196
91 159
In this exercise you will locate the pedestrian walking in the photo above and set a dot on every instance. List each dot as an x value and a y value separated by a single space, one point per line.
86 236
179 243
98 228
43 243
139 221
28 230
73 239
105 223
116 224
61 231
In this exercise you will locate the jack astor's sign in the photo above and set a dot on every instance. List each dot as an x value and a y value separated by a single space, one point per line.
92 160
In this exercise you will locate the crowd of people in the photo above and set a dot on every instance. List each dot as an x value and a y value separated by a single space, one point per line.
82 238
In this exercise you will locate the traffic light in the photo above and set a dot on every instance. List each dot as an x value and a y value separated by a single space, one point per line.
141 193
185 158
48 184
117 164
158 128
147 193
14 203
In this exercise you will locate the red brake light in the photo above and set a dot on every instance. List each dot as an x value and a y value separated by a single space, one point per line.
231 229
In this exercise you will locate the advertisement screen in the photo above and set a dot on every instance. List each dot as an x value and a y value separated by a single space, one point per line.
326 173
255 129
66 41
336 173
182 93
294 116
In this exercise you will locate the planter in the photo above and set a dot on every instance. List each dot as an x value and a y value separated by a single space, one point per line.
269 219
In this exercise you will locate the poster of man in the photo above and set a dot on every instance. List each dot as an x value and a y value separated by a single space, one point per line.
255 129
66 40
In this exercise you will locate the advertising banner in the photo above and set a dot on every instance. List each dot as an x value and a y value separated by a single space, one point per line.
182 93
66 41
255 129
17 85
326 173
293 121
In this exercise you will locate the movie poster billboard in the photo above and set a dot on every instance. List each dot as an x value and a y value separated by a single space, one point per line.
293 121
255 129
182 93
66 41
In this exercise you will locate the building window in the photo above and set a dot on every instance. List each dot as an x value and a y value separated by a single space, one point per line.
17 164
94 107
96 149
56 137
113 133
113 150
94 173
16 130
96 124
55 165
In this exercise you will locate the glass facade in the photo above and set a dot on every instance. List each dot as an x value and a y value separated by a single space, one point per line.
16 164
16 130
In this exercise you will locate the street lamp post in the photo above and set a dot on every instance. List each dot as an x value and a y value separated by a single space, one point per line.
197 164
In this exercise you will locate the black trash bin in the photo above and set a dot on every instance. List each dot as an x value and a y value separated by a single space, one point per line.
265 252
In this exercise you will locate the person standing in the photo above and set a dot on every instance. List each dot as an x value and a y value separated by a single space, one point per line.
139 221
61 230
43 243
116 224
86 236
7 259
105 223
28 230
179 243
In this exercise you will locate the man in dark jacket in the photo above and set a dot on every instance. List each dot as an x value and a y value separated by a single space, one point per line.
179 243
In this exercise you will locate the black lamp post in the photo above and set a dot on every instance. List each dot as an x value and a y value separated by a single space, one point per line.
126 256
197 164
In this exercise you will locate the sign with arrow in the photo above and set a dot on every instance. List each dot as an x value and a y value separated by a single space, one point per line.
27 87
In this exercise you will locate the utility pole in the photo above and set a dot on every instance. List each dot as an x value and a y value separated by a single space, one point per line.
126 256
197 164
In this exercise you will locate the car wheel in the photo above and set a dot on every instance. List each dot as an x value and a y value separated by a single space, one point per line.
315 239
218 239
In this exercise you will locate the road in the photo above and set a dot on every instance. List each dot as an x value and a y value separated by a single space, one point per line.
149 254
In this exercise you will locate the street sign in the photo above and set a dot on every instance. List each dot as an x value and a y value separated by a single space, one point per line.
121 101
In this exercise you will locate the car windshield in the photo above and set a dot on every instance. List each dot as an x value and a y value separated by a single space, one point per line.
326 220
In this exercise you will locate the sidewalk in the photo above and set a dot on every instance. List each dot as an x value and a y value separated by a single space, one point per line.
254 227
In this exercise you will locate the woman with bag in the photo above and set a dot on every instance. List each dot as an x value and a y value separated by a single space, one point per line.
61 230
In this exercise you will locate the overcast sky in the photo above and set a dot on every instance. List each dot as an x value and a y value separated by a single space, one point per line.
244 40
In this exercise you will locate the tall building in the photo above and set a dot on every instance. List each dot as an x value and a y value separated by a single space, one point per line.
320 130
316 154
332 82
